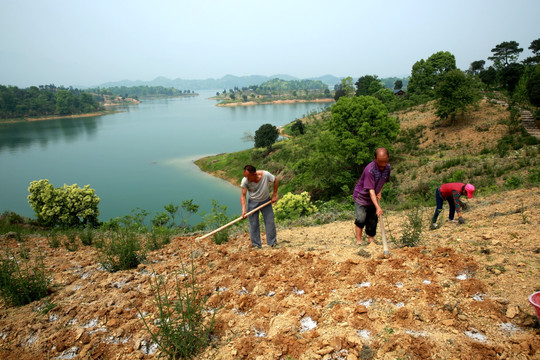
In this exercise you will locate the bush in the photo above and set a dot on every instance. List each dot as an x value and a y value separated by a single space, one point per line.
159 237
513 182
221 237
20 284
412 233
183 328
123 251
534 176
66 206
292 206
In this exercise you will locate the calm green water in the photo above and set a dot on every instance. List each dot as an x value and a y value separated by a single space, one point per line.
139 158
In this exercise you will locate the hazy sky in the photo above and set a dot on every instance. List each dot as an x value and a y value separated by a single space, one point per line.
87 43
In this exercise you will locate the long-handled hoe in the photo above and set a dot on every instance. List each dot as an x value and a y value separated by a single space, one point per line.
386 253
234 221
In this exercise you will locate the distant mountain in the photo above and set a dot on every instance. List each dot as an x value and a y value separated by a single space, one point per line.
227 82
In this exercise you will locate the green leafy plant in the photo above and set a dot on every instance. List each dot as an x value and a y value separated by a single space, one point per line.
183 322
53 239
158 237
217 218
513 182
292 206
65 206
22 282
122 251
87 236
70 242
412 233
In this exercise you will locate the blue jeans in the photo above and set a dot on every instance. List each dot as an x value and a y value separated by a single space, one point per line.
440 201
269 223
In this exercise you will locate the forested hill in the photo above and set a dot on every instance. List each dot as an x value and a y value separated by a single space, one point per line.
231 81
45 100
141 91
50 100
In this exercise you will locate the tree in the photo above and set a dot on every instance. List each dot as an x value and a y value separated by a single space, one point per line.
398 85
535 48
266 136
345 88
505 53
361 124
510 75
476 67
533 87
488 76
297 128
368 85
426 74
456 93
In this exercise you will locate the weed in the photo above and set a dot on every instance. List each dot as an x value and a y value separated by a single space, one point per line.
534 176
159 237
53 239
412 234
87 236
221 237
514 182
22 283
122 252
183 324
70 242
47 307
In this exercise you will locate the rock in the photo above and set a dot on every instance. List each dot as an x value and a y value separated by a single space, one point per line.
360 309
512 311
462 317
448 322
325 350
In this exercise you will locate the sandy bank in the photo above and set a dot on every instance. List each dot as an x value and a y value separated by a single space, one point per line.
292 101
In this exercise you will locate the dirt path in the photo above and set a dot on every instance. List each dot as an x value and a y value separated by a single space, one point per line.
462 295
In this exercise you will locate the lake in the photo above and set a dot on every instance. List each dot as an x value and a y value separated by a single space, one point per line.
141 157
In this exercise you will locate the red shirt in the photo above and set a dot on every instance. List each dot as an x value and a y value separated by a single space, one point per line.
446 189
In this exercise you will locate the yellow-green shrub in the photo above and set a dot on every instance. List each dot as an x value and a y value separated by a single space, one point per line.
65 206
292 206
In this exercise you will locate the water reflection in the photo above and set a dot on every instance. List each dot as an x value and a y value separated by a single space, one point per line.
23 135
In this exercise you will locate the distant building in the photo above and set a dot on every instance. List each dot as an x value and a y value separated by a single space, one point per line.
399 92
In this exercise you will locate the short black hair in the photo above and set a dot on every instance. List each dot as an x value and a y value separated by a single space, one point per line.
250 169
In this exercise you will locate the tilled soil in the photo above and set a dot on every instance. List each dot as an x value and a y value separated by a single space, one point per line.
462 294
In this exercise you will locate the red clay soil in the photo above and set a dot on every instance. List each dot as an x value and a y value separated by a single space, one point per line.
461 295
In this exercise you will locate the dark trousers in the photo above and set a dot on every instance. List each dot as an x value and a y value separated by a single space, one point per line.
440 200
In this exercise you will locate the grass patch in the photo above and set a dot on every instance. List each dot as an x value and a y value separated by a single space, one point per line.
122 251
183 323
22 281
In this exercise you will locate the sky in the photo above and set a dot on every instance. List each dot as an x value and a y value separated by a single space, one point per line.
87 43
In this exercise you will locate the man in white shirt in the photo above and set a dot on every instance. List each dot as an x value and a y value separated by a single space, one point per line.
256 182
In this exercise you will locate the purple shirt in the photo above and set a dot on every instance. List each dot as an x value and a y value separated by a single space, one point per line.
372 178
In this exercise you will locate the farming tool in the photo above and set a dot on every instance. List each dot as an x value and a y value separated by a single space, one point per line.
234 221
383 233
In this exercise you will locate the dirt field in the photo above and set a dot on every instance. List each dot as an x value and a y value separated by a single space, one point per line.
462 295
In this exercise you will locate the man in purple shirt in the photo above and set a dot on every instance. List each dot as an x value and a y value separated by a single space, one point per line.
367 194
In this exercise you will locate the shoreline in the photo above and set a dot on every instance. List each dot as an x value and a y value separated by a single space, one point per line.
291 101
217 174
56 117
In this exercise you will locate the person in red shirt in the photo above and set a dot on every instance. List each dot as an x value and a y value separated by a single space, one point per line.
451 193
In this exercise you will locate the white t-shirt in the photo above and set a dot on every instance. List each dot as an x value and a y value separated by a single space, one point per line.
258 191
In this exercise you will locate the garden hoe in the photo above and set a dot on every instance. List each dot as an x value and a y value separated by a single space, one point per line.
386 253
234 221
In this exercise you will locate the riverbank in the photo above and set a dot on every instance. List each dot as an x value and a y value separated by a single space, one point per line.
55 117
289 101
